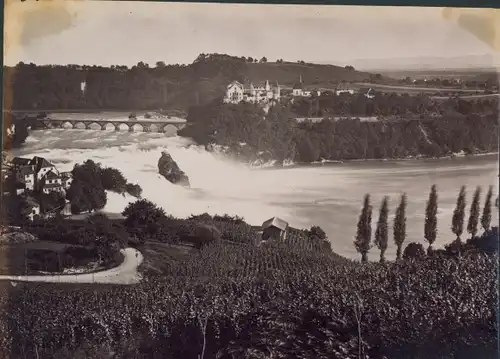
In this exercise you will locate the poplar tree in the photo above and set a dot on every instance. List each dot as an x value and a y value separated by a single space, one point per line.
400 226
382 232
474 213
457 222
430 230
364 232
486 217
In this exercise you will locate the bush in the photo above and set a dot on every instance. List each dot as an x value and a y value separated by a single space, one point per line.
113 180
134 190
204 235
414 251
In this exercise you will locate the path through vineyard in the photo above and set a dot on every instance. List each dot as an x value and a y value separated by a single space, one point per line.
125 273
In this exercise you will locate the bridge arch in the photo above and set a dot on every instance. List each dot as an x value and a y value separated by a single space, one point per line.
170 129
107 126
67 124
136 127
79 125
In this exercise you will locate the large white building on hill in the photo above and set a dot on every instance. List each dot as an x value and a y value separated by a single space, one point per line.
263 94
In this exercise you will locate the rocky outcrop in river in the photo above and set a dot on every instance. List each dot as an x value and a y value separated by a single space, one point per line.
169 169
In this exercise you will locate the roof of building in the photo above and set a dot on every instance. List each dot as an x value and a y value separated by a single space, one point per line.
66 175
275 222
26 170
235 83
20 161
52 175
297 86
40 162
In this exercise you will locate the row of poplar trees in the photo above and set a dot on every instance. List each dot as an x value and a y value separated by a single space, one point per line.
363 239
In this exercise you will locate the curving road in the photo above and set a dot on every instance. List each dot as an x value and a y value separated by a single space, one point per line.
125 273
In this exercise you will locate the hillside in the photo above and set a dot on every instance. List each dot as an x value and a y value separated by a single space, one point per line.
74 87
288 74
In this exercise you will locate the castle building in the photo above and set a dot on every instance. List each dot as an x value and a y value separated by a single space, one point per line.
263 94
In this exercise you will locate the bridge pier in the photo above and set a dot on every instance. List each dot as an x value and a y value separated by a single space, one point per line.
130 128
87 125
117 127
103 126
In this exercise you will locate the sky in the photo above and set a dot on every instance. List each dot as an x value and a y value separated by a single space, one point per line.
124 33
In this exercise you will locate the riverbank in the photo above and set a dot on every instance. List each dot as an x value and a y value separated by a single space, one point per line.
389 160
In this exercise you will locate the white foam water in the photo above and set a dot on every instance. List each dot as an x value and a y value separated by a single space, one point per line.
329 195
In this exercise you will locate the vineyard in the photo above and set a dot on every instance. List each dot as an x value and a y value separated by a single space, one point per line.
271 301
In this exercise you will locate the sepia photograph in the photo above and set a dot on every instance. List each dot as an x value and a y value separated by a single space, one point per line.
249 181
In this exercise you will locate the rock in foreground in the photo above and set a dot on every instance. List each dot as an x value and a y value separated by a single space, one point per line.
171 171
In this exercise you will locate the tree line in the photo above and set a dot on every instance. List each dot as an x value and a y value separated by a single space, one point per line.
389 104
363 242
141 87
247 132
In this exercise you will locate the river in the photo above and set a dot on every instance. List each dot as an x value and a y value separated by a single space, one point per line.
330 195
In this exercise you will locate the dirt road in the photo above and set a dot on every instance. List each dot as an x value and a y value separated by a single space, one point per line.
125 273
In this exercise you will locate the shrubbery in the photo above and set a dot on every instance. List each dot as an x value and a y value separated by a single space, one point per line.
87 192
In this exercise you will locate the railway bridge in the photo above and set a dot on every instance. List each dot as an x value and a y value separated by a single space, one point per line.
131 124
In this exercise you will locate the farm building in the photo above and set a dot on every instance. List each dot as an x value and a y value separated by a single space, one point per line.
274 228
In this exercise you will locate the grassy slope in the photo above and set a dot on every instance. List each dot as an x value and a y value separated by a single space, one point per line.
288 74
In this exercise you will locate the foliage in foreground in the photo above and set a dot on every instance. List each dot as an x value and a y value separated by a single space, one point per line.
270 301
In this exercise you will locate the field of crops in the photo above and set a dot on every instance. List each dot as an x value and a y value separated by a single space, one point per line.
272 301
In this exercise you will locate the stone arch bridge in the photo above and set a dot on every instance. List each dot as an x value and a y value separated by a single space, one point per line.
131 125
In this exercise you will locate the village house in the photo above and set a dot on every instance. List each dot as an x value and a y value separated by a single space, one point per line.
51 182
38 174
35 207
343 88
274 228
237 92
368 92
297 90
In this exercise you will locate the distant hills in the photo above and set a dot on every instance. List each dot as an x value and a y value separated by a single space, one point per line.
164 86
485 61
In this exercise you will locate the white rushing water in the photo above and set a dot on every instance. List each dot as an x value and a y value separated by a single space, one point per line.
329 196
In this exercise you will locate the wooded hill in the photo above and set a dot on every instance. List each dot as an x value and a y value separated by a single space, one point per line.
142 87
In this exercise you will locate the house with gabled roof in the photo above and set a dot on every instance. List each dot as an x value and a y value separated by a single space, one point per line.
51 182
26 174
274 228
42 166
38 174
67 179
19 161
